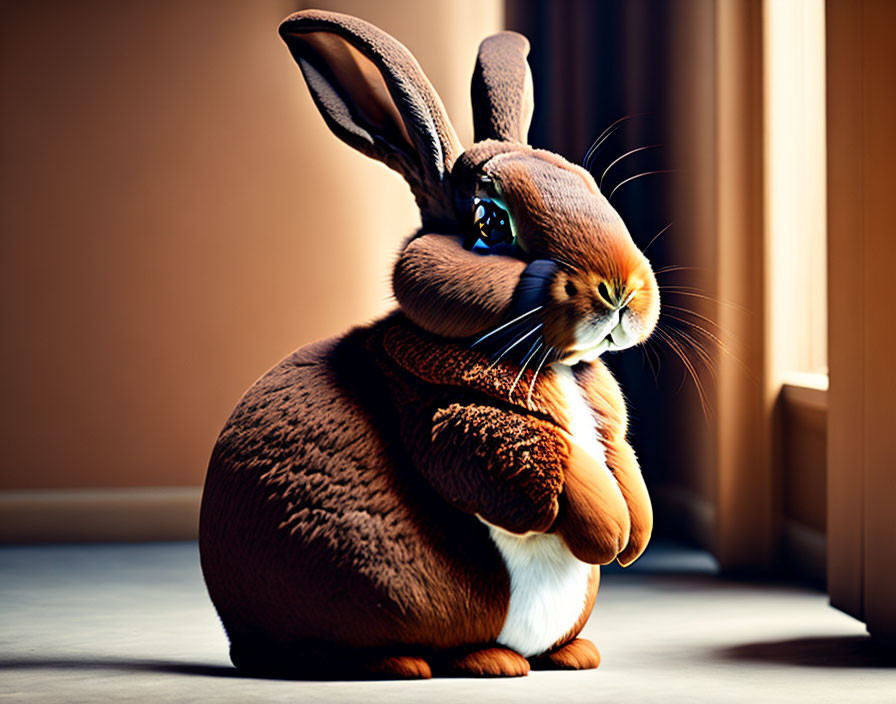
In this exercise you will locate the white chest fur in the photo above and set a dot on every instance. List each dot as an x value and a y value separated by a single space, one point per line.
547 590
581 425
548 585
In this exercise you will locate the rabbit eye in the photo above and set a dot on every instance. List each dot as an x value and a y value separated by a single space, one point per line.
491 224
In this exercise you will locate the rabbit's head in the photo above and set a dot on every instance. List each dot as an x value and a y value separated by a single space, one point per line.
517 243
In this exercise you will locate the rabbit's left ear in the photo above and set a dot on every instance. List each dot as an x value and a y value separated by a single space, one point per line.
374 96
502 89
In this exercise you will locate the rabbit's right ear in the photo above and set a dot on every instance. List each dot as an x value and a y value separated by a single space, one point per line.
374 96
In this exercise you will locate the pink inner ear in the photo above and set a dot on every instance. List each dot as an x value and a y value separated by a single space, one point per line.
361 83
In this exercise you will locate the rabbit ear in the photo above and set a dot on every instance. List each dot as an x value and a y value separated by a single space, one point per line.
374 96
502 89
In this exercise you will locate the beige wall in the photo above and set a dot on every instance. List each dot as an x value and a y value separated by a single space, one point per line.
176 217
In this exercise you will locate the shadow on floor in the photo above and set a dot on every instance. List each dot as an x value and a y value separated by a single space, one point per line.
829 651
126 665
173 667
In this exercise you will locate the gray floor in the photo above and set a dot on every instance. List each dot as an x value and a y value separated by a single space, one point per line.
133 623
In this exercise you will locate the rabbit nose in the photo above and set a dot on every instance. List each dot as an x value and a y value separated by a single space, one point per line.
606 293
616 296
613 295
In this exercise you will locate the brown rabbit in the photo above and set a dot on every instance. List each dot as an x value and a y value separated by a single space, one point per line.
395 502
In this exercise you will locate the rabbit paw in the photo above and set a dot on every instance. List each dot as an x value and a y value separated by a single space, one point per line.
405 667
488 662
578 654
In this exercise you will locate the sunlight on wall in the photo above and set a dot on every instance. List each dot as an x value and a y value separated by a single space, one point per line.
177 217
795 185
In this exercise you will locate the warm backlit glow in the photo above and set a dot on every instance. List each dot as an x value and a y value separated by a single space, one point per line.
795 181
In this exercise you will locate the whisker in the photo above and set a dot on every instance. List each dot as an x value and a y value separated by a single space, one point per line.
595 145
657 236
597 149
693 327
547 352
513 344
615 161
710 321
525 363
507 324
682 287
648 348
683 291
565 263
675 346
676 267
646 356
701 351
632 178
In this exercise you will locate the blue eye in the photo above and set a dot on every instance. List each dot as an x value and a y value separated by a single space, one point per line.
491 225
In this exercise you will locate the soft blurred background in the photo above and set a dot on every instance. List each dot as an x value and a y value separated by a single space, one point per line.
176 218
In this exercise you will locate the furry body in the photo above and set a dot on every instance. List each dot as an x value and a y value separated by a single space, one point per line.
388 503
335 519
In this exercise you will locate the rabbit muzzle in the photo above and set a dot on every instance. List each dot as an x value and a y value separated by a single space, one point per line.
581 316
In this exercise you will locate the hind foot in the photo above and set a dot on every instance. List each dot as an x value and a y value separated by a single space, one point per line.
578 654
488 662
403 667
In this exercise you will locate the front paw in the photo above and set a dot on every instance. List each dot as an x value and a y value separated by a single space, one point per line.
628 476
594 518
521 518
636 545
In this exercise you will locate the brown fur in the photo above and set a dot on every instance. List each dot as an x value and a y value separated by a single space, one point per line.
340 522
502 89
559 212
430 292
350 67
578 654
334 519
606 399
339 530
593 519
487 662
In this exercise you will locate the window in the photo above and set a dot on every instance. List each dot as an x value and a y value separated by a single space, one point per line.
795 187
